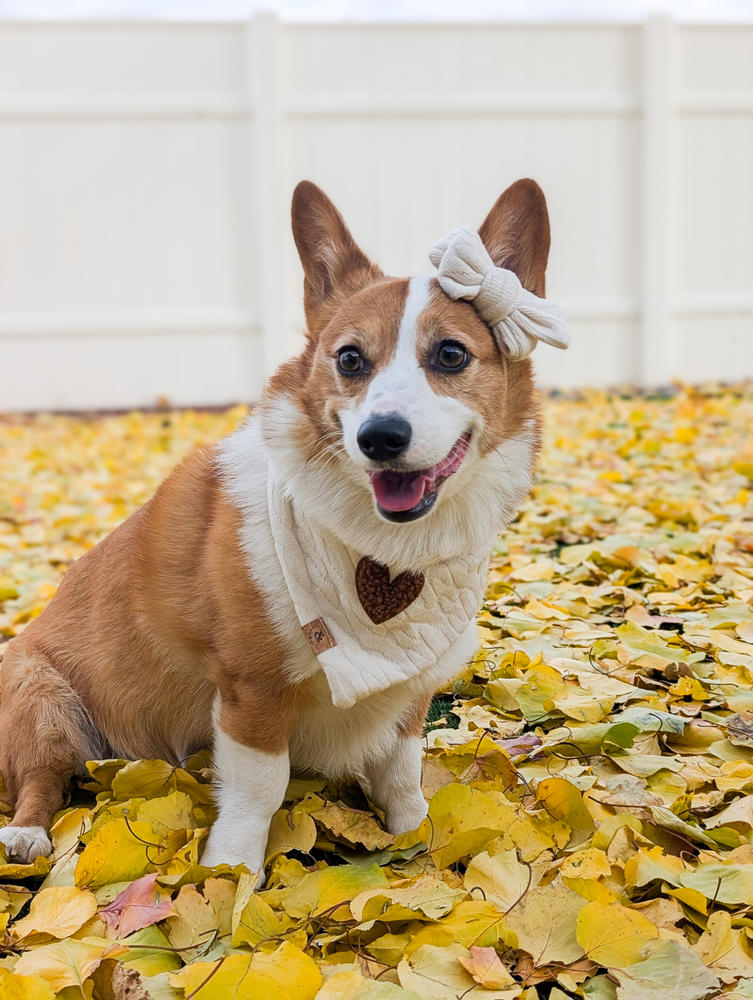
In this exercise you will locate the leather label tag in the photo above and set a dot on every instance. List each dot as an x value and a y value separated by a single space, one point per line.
319 636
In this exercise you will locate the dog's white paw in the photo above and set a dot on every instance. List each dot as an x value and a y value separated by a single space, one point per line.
223 850
401 817
25 843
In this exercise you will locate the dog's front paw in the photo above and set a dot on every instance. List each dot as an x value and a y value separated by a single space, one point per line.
25 843
222 850
405 816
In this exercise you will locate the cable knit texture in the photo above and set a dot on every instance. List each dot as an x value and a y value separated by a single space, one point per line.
320 574
517 318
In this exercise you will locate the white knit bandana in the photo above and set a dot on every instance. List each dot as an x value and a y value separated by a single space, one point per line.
517 318
359 657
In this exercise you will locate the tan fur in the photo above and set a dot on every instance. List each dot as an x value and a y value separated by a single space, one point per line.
143 630
163 615
412 723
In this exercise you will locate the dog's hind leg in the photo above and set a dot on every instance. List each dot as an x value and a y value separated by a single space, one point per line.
45 738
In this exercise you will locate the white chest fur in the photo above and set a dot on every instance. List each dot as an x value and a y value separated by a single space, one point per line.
366 724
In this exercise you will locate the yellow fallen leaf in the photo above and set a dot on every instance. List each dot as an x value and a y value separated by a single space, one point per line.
201 920
119 851
354 826
10 870
325 889
424 898
436 974
66 963
13 987
150 953
668 970
563 800
389 948
486 969
502 878
156 778
281 975
290 830
253 920
726 951
59 912
544 922
587 864
68 830
464 820
173 811
351 986
613 935
13 898
471 922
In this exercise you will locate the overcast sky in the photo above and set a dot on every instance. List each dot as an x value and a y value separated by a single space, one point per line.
393 10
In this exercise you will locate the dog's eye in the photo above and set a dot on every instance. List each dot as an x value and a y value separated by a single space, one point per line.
350 361
452 356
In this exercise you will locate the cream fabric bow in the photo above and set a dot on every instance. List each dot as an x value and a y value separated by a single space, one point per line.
518 319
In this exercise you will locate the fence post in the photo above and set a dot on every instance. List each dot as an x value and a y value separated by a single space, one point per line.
657 356
268 222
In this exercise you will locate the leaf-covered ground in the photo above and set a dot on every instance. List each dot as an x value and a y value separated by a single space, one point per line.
590 777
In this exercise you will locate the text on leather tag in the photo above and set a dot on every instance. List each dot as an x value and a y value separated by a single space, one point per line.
381 598
319 636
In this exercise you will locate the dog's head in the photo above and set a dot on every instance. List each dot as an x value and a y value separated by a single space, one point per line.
402 398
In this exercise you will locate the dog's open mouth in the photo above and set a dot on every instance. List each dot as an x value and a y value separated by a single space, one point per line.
404 496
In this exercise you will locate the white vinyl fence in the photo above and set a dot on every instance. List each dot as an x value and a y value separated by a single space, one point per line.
146 171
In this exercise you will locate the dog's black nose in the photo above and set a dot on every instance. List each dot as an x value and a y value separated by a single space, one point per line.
385 437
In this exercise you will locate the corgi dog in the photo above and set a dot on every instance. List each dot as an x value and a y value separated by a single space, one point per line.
294 595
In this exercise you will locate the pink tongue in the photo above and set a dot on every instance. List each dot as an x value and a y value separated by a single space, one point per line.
398 491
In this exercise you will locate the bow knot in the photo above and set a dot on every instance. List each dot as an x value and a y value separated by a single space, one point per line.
518 319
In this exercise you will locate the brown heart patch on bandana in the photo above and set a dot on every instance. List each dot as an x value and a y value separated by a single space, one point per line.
380 598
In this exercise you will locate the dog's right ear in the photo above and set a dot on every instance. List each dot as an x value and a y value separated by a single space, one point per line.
516 233
333 264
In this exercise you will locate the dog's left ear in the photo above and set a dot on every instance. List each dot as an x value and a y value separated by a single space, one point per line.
333 264
516 234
